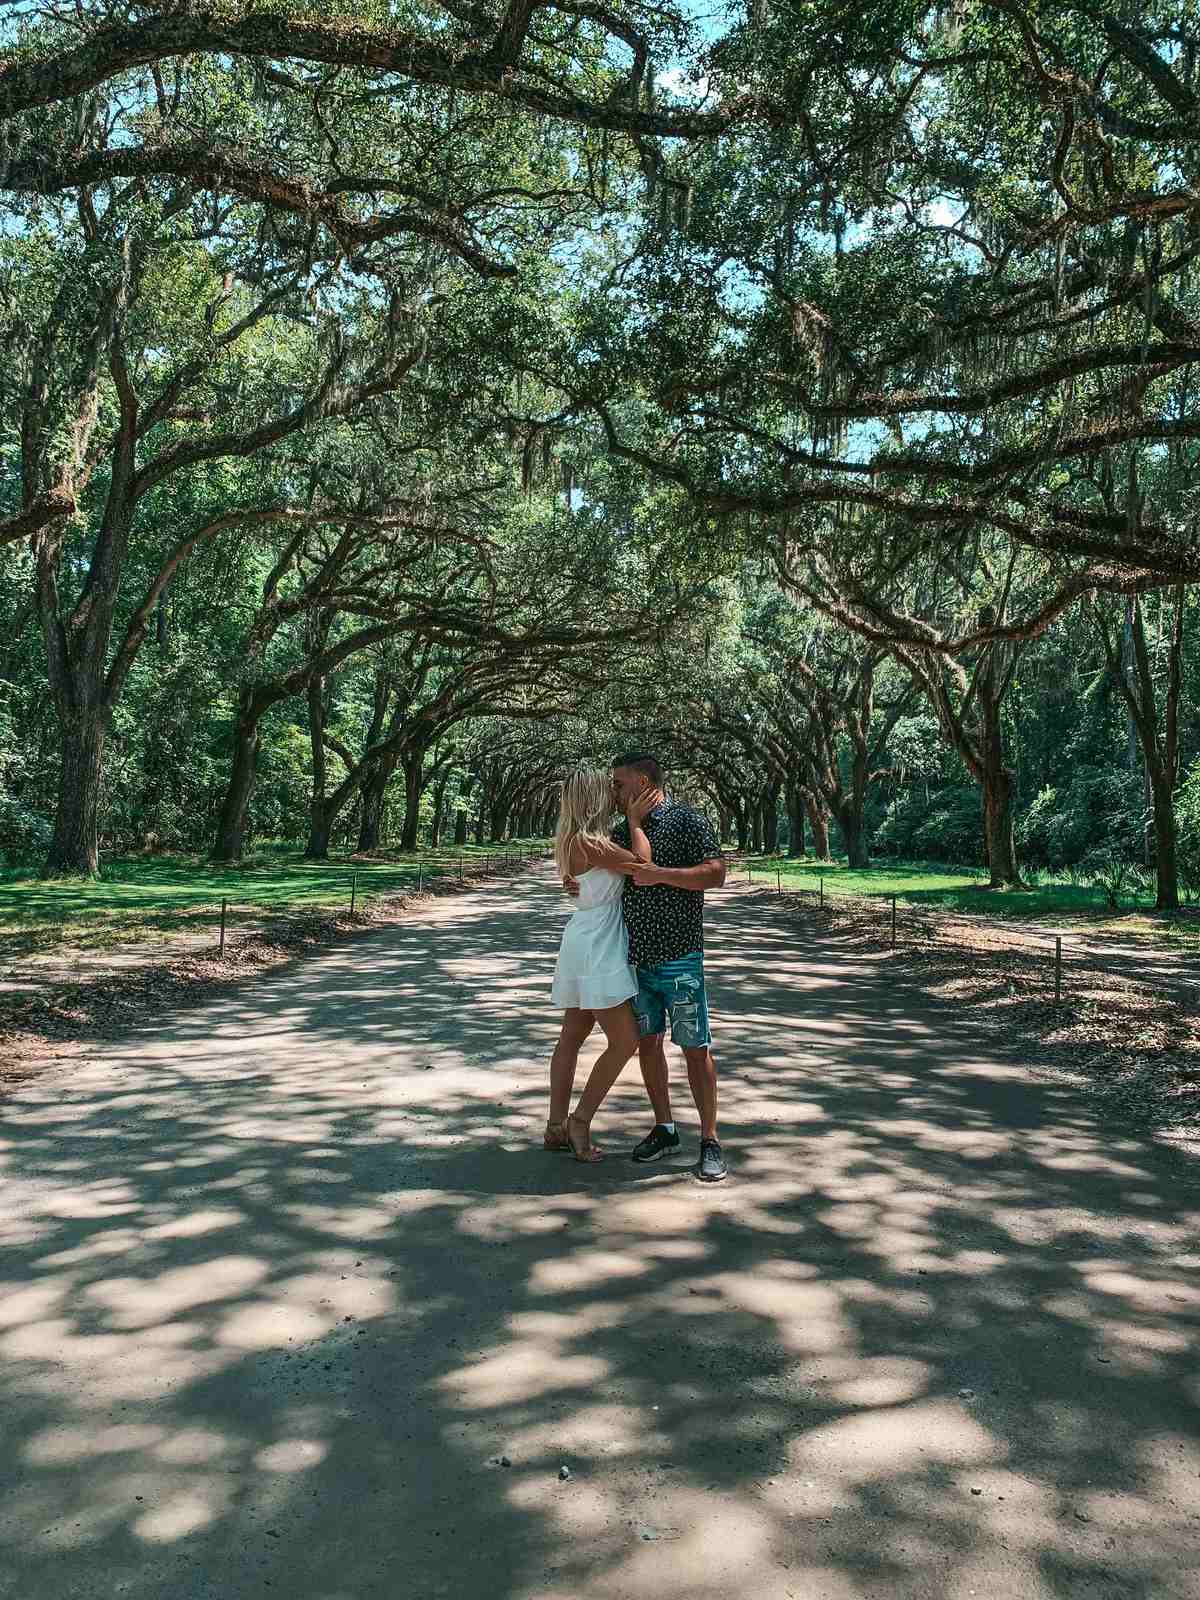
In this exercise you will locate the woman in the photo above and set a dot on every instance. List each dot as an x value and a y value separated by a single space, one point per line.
593 977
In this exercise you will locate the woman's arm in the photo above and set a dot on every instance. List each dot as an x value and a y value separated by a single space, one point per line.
638 842
611 855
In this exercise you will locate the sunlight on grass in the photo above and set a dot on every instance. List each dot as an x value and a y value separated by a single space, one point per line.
964 890
148 897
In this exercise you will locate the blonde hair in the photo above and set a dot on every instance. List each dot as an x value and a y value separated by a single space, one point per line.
583 813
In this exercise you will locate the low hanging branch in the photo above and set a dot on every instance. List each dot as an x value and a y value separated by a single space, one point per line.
42 510
226 173
495 71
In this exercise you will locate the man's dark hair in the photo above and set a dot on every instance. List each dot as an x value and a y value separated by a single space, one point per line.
637 761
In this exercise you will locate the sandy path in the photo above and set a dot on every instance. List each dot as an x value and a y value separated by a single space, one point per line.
286 1277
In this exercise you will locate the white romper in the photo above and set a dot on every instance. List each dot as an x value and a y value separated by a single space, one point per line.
593 970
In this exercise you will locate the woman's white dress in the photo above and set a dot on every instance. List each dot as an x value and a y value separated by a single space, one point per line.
593 969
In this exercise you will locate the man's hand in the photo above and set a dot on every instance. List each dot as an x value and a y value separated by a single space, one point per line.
571 886
640 807
643 873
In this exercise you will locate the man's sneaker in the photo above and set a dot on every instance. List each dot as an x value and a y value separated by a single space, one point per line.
656 1144
712 1163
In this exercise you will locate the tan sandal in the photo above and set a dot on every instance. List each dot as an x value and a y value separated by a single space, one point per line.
582 1148
555 1136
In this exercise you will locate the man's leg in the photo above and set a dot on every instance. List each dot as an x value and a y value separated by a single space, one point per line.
702 1076
688 1006
652 1020
653 1059
575 1029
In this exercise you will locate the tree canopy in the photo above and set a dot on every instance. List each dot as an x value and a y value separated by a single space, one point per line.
402 402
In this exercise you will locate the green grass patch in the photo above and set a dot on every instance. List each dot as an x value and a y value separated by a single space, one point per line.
147 897
964 891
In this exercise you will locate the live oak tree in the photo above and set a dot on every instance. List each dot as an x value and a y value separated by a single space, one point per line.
330 593
839 275
943 615
138 368
821 696
167 313
1147 667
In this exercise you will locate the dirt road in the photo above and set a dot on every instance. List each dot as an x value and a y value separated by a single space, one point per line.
294 1304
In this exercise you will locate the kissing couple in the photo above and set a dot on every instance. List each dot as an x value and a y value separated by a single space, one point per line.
632 954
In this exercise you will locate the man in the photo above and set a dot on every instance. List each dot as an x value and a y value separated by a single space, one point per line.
664 912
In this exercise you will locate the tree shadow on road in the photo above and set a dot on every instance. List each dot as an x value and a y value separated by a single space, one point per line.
272 1322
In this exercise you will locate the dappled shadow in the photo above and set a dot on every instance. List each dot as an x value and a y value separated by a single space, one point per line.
289 1277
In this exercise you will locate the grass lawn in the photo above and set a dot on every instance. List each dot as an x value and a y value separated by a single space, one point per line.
964 890
148 897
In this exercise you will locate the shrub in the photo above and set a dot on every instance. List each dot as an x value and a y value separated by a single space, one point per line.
24 834
1114 871
1098 809
947 827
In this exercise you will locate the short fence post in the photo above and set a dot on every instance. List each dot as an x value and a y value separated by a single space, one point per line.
821 886
224 907
778 880
893 922
353 892
420 877
1058 968
460 869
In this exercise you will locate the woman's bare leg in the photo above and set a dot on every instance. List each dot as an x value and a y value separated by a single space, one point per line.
620 1029
575 1028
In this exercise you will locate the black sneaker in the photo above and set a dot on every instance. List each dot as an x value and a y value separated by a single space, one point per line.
656 1144
712 1163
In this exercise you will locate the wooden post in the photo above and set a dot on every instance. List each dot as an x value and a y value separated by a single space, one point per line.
1058 969
224 907
420 877
460 869
778 880
821 884
353 892
893 922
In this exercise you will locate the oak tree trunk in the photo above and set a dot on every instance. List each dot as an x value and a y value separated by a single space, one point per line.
435 825
770 813
413 789
320 826
1166 866
999 838
795 809
320 821
819 823
75 844
231 828
853 835
374 799
741 828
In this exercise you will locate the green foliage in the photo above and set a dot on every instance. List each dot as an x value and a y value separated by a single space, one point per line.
1187 816
1111 869
731 434
1097 814
943 827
